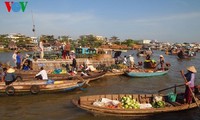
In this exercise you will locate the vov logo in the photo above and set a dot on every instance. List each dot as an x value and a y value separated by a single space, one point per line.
16 6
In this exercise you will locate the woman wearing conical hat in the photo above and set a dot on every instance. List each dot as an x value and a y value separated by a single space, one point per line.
10 76
190 76
162 61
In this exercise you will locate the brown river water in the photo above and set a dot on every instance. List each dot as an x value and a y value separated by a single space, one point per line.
58 106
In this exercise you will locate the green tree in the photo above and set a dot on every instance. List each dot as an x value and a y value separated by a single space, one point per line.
114 39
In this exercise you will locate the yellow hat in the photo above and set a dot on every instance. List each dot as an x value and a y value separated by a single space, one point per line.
192 69
10 70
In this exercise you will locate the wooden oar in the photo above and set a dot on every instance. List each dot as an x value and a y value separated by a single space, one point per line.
182 73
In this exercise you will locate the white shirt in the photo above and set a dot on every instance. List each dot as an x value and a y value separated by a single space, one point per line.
14 56
125 61
43 73
131 58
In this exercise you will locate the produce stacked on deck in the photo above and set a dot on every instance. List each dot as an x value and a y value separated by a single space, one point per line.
105 102
158 102
126 102
57 71
129 103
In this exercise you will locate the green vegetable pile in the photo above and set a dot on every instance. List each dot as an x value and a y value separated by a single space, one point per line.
129 103
158 104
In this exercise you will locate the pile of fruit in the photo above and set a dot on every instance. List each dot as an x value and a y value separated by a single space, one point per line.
129 103
158 103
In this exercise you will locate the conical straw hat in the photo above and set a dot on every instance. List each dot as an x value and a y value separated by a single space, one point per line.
10 70
192 69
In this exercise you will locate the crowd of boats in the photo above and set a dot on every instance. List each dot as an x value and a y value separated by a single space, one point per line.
67 78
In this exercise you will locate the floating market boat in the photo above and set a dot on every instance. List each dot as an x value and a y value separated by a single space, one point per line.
30 75
144 52
186 55
39 86
133 104
114 72
146 73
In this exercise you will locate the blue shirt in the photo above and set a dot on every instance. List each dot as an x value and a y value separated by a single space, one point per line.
18 59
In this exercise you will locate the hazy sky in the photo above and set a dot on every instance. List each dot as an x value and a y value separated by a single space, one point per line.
163 20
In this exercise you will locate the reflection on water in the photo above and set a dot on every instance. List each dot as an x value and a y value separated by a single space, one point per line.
59 107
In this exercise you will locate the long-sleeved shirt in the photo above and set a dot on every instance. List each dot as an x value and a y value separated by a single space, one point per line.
192 80
43 73
10 77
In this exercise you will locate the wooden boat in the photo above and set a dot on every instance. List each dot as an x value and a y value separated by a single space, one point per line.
186 55
114 72
39 86
87 103
135 73
142 53
30 76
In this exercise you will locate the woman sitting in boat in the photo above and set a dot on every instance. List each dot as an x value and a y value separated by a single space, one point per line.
42 75
149 63
190 76
10 76
26 66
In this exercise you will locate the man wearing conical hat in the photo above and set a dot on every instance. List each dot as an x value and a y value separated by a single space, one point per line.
190 76
10 76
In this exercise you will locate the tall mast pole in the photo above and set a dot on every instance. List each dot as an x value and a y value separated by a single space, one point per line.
33 24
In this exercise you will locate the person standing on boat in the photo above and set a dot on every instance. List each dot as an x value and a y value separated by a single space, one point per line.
18 60
14 56
125 60
41 46
131 61
190 76
42 75
162 62
74 64
67 48
10 76
64 51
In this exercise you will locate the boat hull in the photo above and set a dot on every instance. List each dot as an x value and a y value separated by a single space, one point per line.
85 103
40 86
146 74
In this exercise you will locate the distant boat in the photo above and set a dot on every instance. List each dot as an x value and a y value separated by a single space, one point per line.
145 74
144 52
183 55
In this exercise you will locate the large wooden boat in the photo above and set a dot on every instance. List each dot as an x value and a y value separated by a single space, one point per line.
30 75
87 103
39 86
136 73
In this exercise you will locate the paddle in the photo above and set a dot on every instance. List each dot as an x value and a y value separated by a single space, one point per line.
182 73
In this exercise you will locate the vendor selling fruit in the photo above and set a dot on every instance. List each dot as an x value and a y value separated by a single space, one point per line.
190 76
